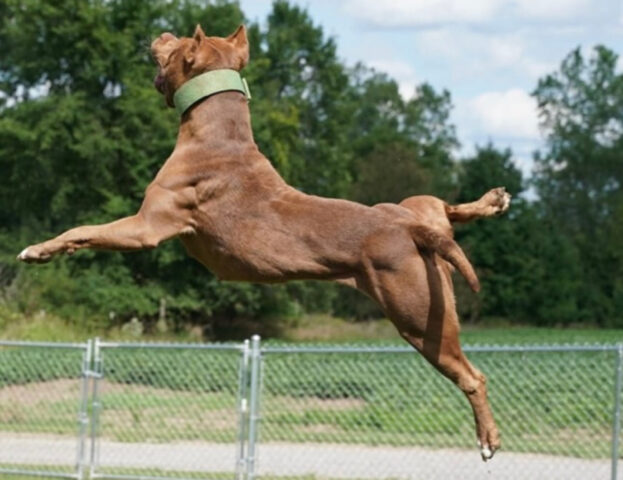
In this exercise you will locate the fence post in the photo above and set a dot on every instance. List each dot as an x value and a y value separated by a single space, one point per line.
254 396
243 410
95 405
83 417
616 422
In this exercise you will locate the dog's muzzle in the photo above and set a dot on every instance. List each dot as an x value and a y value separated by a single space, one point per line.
159 83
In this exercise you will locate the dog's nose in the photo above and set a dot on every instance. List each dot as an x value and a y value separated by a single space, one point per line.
161 40
166 36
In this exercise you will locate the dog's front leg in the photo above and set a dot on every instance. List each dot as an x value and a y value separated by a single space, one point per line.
158 219
131 233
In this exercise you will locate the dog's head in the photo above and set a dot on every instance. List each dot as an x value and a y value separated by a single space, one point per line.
180 59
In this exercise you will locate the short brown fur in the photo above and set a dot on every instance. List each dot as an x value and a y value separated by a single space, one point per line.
237 216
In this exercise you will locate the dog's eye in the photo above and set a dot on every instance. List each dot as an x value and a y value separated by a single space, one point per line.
167 60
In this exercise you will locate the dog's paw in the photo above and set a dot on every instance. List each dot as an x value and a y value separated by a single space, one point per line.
498 200
490 444
34 254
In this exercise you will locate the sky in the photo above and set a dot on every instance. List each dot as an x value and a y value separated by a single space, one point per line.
488 53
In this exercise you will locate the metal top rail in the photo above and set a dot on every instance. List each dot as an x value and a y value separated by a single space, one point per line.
172 345
307 348
466 348
25 343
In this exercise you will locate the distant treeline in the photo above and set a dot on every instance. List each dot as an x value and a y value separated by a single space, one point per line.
82 132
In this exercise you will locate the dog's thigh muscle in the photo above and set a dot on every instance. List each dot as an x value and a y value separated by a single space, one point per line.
430 211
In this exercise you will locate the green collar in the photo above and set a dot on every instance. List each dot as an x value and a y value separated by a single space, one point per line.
207 84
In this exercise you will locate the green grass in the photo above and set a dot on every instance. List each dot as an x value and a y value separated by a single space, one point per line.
517 335
309 328
47 327
326 329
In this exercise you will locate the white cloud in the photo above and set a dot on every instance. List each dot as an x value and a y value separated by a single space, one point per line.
418 13
509 114
508 119
410 13
510 52
474 53
443 42
553 10
402 72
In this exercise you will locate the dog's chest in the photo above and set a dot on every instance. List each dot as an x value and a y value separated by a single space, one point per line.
229 246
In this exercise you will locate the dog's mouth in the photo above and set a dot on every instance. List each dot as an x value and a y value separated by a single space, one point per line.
159 82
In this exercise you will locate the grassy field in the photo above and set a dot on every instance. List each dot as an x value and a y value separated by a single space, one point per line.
326 329
538 336
309 328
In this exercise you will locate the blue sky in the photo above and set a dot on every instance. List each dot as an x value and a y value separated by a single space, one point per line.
487 53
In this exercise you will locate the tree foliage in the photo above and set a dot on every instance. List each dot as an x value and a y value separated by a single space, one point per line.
580 173
82 132
528 268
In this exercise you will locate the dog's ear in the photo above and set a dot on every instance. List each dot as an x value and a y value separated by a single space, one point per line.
198 37
239 40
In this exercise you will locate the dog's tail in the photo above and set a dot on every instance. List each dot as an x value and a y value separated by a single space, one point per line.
447 249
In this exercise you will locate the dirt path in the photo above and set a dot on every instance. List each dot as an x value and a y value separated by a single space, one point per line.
321 460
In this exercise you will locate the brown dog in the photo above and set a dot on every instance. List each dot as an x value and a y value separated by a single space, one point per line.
237 216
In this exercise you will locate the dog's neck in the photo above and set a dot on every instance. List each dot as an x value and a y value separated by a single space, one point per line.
218 121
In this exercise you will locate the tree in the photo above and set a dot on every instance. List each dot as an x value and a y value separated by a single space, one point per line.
580 172
300 112
82 133
391 173
528 269
402 148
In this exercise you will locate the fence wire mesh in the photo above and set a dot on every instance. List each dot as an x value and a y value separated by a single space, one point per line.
357 413
42 409
166 411
277 412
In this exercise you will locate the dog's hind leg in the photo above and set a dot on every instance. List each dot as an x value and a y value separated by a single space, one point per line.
494 202
417 296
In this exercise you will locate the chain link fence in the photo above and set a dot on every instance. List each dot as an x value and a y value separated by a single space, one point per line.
156 411
385 413
43 408
166 411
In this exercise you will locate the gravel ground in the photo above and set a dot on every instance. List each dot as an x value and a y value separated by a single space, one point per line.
322 460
